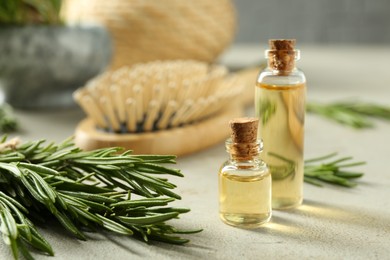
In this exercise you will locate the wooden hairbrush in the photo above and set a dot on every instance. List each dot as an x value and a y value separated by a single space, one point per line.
162 107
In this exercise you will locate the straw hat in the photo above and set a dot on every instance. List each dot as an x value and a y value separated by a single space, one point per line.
146 30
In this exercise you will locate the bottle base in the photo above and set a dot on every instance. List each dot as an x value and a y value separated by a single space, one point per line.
285 203
245 220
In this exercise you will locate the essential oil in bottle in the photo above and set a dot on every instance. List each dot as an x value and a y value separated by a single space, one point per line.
244 180
280 107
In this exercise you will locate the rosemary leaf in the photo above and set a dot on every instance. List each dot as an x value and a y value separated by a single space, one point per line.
8 223
148 220
22 248
37 240
354 114
114 226
90 196
312 180
143 202
157 169
317 170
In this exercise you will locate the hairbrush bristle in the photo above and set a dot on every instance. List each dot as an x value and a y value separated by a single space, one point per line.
156 95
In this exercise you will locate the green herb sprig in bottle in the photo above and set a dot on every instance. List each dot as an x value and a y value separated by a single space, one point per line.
280 107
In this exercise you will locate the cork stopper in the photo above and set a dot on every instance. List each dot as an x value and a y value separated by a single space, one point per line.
244 145
244 130
280 45
282 55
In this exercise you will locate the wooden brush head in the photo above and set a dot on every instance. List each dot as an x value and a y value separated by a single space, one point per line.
156 95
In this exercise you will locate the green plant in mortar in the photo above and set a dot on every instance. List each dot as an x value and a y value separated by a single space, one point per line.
30 11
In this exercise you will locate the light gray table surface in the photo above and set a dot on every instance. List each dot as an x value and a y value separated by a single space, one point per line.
332 223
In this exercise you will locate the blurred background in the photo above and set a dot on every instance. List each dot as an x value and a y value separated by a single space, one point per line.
46 55
324 22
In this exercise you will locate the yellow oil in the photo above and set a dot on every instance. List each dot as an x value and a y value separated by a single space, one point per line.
281 112
244 197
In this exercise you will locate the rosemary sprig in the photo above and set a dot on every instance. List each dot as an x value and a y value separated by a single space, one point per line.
284 170
119 192
334 172
353 114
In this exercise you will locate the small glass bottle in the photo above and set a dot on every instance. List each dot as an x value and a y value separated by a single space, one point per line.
244 180
280 106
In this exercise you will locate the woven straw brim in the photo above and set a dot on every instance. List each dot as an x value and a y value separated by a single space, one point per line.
147 30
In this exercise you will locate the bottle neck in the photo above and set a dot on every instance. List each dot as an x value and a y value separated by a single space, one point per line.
241 152
282 62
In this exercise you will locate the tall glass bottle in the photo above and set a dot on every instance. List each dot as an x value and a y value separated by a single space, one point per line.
280 106
244 180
